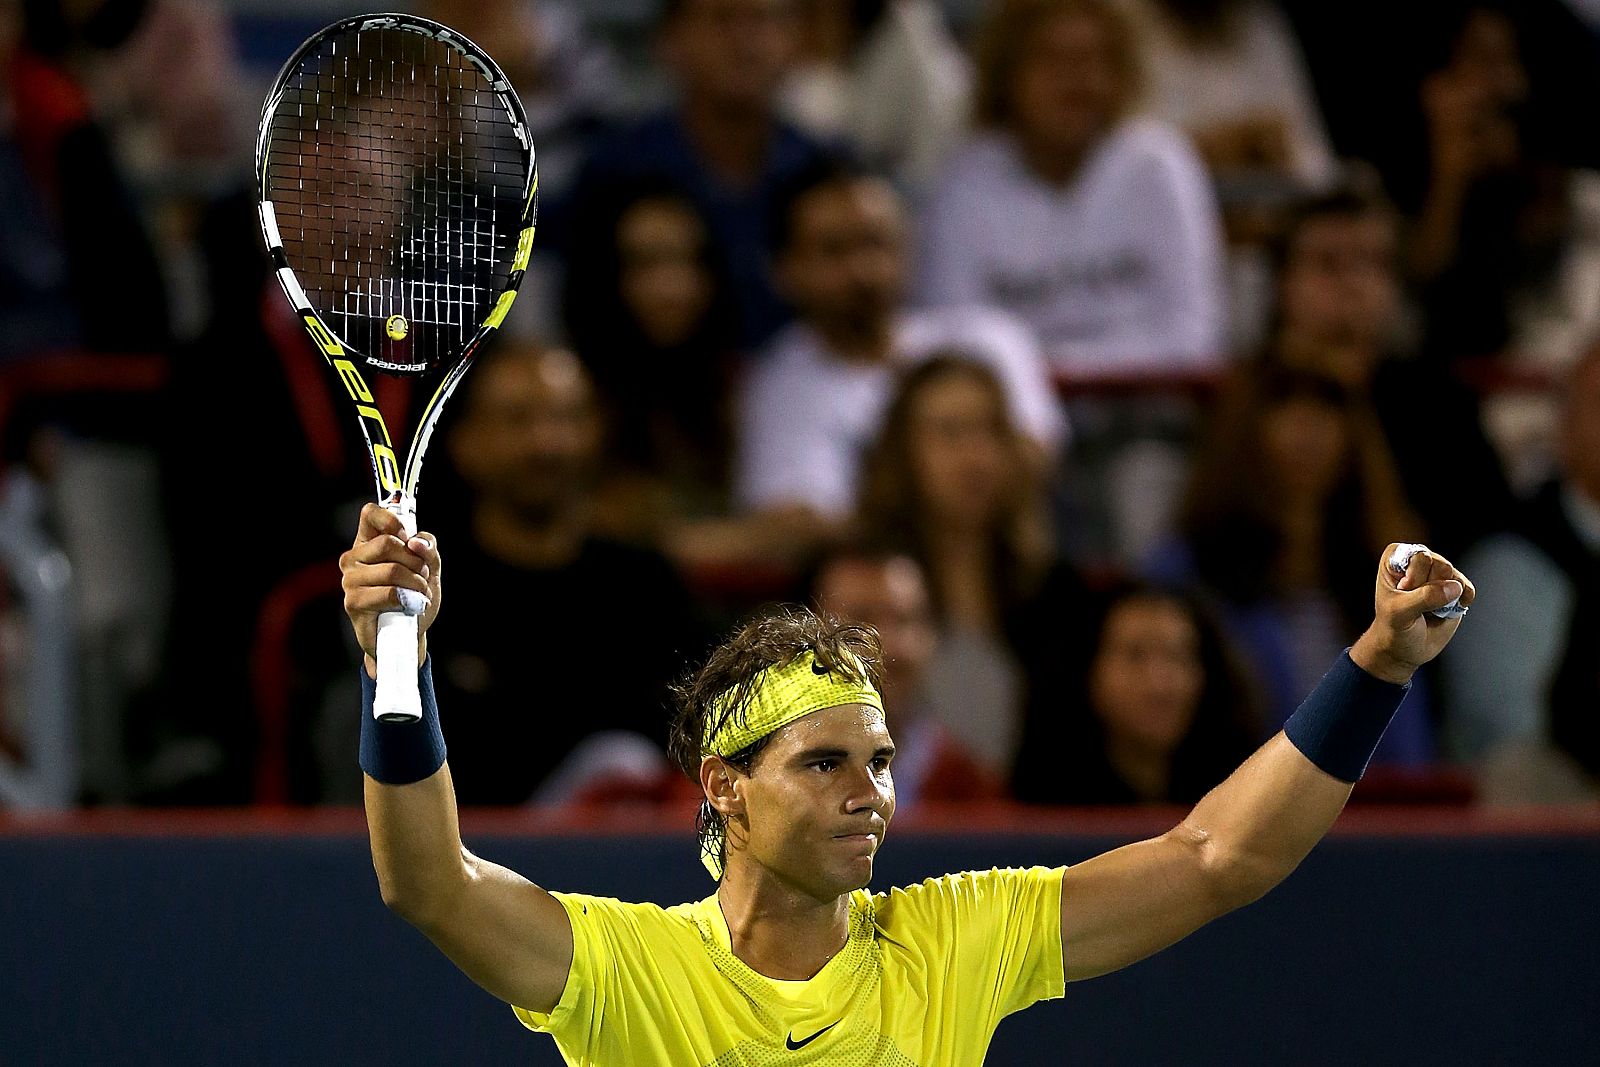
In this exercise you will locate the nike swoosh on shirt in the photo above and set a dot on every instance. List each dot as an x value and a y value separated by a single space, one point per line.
791 1044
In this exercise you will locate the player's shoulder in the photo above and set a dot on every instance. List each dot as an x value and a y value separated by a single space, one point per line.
638 917
949 895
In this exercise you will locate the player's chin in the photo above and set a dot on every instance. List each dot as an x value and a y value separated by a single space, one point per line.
849 878
827 877
854 871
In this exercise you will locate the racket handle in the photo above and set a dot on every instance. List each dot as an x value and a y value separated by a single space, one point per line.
397 698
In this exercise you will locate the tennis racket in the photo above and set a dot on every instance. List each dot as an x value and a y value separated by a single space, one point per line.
397 195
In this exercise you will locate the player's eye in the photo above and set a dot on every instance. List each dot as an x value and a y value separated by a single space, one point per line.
825 764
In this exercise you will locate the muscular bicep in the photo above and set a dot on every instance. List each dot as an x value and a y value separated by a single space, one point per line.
506 934
1129 903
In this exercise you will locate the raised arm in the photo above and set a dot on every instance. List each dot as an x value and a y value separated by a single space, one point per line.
504 932
1246 835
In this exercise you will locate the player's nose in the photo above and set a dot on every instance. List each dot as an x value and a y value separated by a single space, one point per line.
869 792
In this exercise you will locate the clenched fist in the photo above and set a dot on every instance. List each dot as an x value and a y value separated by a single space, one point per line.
377 566
1403 635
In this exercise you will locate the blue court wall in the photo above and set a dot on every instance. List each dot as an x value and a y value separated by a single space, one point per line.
241 942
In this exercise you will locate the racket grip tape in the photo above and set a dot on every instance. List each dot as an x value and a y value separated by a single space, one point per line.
397 698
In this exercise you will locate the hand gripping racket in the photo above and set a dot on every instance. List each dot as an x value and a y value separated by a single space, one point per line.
397 194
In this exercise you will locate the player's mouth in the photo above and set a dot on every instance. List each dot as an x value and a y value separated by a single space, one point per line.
870 840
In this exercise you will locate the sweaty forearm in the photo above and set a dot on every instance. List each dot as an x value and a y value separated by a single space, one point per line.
1263 820
416 843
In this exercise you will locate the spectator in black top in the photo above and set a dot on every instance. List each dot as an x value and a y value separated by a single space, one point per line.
649 309
1338 313
1500 243
526 442
722 142
1292 489
1156 709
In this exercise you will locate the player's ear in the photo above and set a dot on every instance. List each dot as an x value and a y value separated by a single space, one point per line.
717 779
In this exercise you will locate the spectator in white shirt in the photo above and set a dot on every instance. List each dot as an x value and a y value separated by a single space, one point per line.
887 77
1230 74
1099 229
814 399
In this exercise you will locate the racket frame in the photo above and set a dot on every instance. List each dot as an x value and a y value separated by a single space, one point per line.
398 698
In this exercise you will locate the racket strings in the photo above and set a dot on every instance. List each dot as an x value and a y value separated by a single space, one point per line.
397 177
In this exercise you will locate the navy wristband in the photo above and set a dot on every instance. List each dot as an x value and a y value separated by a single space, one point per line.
397 753
1339 725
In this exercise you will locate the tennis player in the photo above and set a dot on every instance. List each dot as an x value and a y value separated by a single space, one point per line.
791 960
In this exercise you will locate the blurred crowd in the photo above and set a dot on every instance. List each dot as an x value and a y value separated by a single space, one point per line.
1092 350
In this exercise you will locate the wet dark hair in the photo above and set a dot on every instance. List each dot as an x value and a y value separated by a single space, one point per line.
772 640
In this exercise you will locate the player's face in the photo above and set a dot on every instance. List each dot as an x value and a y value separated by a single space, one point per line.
1146 679
846 266
818 801
1067 89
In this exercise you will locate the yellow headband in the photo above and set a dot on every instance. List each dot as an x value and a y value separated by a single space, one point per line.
780 696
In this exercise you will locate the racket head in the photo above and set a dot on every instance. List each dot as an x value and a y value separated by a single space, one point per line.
398 192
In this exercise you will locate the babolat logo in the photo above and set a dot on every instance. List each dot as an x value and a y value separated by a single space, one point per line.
383 460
